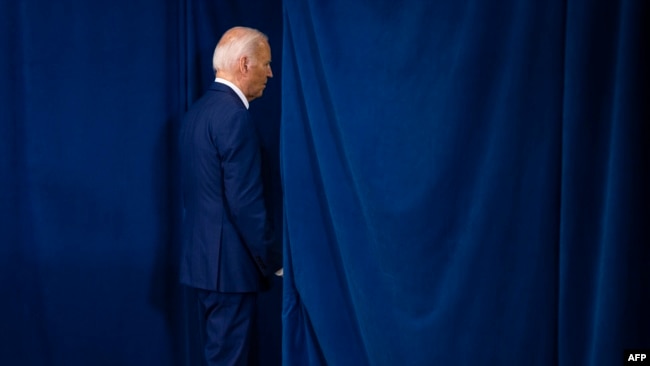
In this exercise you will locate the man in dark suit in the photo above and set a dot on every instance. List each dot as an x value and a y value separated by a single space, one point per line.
228 247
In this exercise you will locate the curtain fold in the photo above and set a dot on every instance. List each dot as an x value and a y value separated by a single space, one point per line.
605 243
464 182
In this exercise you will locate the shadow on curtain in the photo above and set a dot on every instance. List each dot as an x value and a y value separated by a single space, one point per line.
465 183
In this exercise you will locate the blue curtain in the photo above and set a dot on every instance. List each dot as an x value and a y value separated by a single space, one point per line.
91 100
604 261
465 182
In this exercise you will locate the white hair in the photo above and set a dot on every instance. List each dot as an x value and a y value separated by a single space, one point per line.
235 43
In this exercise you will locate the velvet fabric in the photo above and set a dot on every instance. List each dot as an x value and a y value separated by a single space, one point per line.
465 182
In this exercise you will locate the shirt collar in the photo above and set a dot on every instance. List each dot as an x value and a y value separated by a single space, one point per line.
235 88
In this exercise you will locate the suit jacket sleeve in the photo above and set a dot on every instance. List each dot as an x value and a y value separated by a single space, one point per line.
241 163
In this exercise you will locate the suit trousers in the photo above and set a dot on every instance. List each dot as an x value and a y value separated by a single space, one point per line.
228 321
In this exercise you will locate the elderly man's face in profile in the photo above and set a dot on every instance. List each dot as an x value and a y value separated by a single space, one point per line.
259 70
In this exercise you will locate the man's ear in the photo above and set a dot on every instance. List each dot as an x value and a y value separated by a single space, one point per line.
243 64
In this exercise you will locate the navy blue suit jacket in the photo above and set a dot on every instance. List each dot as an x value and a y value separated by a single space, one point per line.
228 244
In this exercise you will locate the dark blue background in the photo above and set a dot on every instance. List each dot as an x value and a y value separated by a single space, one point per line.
464 182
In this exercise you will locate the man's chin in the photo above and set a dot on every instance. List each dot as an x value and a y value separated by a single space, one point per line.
252 98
